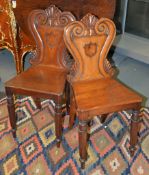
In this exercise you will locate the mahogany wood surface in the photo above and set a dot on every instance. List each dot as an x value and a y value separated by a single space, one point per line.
94 91
47 76
113 95
101 8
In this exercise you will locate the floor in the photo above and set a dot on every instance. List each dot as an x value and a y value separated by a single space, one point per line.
133 46
7 68
134 74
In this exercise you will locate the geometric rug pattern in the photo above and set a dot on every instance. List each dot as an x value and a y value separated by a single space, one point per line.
34 150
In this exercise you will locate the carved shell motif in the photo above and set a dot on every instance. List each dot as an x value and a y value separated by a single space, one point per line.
52 16
90 21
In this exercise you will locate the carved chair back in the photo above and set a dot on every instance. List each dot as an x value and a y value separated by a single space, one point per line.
47 28
89 41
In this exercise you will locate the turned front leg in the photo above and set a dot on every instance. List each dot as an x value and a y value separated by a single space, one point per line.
58 123
72 112
11 111
135 120
83 142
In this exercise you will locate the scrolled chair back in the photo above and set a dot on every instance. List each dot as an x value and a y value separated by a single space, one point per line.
47 27
89 41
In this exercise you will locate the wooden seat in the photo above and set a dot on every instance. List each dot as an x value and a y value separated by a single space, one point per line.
35 80
113 96
47 76
94 91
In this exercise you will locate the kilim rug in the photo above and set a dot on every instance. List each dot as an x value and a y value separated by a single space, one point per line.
34 152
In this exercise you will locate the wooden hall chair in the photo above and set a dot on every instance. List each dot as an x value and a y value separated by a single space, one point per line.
95 91
47 76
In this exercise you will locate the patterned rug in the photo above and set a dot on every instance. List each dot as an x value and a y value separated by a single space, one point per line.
35 152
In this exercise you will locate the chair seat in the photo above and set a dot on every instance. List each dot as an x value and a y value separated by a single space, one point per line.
103 96
41 79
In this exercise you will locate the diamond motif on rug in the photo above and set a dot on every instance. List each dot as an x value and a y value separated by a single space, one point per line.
102 142
56 154
47 135
116 127
11 165
38 166
30 149
42 118
140 166
25 130
7 145
67 168
114 163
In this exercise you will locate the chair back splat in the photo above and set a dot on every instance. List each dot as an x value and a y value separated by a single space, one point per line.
47 28
89 41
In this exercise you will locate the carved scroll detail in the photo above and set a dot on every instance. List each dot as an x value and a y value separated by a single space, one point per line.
50 17
90 38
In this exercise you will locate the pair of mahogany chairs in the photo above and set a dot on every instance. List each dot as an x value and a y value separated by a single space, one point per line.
93 90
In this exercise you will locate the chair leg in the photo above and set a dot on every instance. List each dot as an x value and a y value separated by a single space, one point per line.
72 112
58 123
11 110
67 93
37 102
135 120
103 118
83 142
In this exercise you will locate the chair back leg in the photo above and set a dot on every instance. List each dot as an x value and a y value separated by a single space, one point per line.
11 110
58 121
135 122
